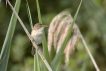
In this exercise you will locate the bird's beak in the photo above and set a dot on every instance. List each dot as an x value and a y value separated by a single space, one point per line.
45 26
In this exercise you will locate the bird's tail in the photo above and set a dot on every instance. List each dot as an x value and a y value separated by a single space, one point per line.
33 51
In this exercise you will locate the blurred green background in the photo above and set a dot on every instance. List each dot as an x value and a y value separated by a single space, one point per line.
91 21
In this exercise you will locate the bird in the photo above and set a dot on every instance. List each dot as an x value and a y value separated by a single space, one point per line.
37 34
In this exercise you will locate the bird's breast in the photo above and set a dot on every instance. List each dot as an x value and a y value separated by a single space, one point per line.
38 37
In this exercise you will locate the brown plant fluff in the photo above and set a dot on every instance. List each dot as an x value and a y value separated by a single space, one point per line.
57 32
53 28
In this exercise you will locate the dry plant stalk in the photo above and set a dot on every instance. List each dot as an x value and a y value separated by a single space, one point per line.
32 40
57 32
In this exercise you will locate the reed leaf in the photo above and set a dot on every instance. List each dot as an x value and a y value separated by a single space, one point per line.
4 56
29 14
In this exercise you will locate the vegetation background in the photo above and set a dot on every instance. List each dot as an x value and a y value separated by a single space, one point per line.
91 21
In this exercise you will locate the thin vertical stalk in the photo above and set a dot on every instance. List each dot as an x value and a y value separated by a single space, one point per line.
86 47
44 42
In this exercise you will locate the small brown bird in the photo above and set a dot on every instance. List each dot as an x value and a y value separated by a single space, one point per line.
37 34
